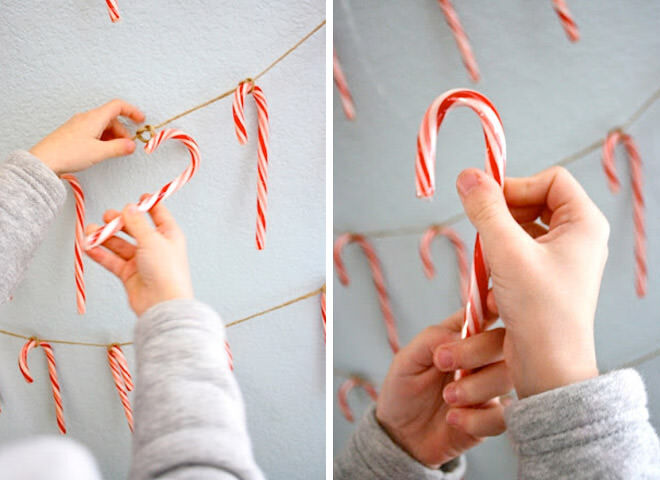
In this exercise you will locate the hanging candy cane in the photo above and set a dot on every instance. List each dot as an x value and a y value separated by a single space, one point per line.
566 19
113 11
122 378
495 166
147 202
461 39
52 373
342 87
79 267
349 385
378 279
613 138
323 310
230 356
238 110
459 248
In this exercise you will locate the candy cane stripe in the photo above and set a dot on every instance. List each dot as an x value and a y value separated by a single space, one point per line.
79 267
378 279
122 379
349 385
342 87
113 11
323 312
461 39
566 19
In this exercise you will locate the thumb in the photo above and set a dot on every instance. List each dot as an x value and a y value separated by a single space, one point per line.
136 224
485 206
115 148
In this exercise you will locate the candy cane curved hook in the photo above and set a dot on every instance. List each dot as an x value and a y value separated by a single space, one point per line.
378 279
79 267
122 378
495 166
566 19
461 39
238 110
113 11
459 248
103 233
52 374
349 385
347 103
613 138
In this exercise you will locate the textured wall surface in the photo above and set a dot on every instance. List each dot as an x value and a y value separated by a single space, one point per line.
166 56
554 98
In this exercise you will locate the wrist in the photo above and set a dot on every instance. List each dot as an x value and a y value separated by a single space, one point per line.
45 159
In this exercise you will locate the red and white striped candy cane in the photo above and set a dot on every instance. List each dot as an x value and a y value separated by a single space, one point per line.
230 356
147 203
122 378
459 248
495 166
349 385
238 110
613 138
377 276
79 267
323 311
113 11
342 87
52 373
461 39
566 19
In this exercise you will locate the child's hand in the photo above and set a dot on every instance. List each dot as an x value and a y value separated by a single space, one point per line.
426 412
156 269
89 138
545 281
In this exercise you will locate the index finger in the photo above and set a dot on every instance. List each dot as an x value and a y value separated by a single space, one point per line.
117 107
163 219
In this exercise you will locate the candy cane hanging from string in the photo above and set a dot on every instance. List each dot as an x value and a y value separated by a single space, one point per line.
378 279
459 248
238 110
342 87
52 374
79 267
461 39
323 310
113 11
613 138
495 166
123 381
230 356
566 19
147 202
349 385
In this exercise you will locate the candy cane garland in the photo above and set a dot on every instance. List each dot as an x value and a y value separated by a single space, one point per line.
79 267
349 385
238 110
459 248
566 19
613 138
147 203
461 39
113 11
122 379
378 279
342 87
52 373
495 166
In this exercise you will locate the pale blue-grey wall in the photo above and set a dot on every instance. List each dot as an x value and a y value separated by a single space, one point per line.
554 98
166 56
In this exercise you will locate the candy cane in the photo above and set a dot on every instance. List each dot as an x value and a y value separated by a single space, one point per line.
377 276
566 19
495 166
349 385
238 109
79 267
147 203
230 356
342 87
323 311
611 141
459 248
52 373
122 378
113 11
461 39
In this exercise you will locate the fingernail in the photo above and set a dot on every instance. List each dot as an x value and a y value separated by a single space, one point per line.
445 360
467 181
452 418
450 394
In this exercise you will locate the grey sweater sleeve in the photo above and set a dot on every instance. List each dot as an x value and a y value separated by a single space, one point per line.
590 430
189 414
372 455
31 195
